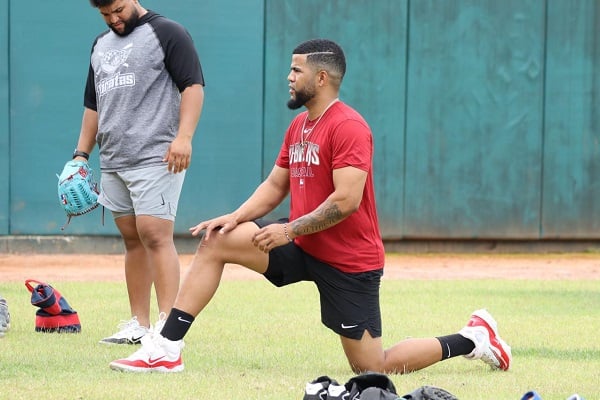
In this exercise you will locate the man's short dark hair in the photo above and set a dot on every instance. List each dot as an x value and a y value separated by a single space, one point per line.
101 3
326 55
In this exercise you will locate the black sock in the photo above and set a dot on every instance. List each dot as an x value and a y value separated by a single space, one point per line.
177 325
455 345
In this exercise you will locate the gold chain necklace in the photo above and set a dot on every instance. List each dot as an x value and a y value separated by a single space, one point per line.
305 132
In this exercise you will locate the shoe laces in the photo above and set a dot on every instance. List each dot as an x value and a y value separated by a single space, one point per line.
162 318
129 325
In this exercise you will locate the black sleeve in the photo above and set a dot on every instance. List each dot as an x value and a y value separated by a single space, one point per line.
89 96
181 58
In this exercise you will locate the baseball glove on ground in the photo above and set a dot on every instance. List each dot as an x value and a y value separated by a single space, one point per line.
429 393
77 190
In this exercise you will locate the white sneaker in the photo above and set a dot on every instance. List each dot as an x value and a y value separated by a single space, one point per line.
4 317
482 330
130 332
157 354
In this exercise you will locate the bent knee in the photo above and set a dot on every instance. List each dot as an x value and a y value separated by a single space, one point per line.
234 247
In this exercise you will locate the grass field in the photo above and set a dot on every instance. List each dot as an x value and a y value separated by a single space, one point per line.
255 341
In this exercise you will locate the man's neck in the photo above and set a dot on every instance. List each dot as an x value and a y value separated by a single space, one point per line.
320 106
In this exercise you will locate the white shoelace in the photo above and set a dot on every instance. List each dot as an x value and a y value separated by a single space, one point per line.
126 326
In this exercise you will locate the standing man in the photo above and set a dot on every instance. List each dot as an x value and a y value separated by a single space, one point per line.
332 237
143 100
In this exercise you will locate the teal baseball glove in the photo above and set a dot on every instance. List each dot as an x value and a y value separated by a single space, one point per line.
77 190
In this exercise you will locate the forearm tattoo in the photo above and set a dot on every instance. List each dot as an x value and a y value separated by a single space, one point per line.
325 216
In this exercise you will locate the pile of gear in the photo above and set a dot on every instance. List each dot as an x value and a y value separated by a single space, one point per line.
375 386
368 386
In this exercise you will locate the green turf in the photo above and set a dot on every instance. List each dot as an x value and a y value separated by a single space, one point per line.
255 341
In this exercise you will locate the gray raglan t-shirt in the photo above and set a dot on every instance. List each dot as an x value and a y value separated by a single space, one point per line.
134 83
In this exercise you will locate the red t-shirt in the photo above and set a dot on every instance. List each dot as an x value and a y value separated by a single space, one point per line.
340 139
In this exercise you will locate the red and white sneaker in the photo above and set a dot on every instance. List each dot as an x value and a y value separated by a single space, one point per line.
157 354
482 329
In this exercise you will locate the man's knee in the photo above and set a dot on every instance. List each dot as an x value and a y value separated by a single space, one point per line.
214 245
155 235
365 354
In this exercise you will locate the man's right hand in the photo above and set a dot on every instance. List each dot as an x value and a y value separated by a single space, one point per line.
223 224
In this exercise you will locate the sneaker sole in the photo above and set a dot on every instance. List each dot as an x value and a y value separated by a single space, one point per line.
128 368
500 348
121 341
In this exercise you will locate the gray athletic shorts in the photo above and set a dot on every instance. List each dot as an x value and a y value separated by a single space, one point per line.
349 302
150 191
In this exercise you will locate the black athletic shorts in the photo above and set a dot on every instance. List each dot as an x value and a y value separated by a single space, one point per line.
349 301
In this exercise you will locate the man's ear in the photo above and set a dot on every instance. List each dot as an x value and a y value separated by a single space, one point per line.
323 77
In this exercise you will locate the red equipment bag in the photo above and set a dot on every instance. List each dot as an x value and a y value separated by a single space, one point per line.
54 313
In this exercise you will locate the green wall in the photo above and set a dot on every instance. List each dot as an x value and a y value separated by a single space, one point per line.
571 187
474 119
4 123
485 113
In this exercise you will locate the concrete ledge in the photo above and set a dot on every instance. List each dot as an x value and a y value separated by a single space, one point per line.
487 246
22 244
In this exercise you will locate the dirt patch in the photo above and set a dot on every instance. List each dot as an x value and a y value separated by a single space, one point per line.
99 267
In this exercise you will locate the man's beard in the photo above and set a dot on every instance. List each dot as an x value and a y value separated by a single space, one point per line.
129 24
301 98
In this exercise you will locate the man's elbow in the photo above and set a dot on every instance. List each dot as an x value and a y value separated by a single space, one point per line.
352 207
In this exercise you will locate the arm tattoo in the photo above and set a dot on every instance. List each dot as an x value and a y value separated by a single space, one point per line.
325 216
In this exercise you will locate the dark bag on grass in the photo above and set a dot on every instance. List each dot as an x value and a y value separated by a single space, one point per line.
367 386
54 313
371 386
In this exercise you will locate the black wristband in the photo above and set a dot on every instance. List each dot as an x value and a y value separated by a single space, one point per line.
79 153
